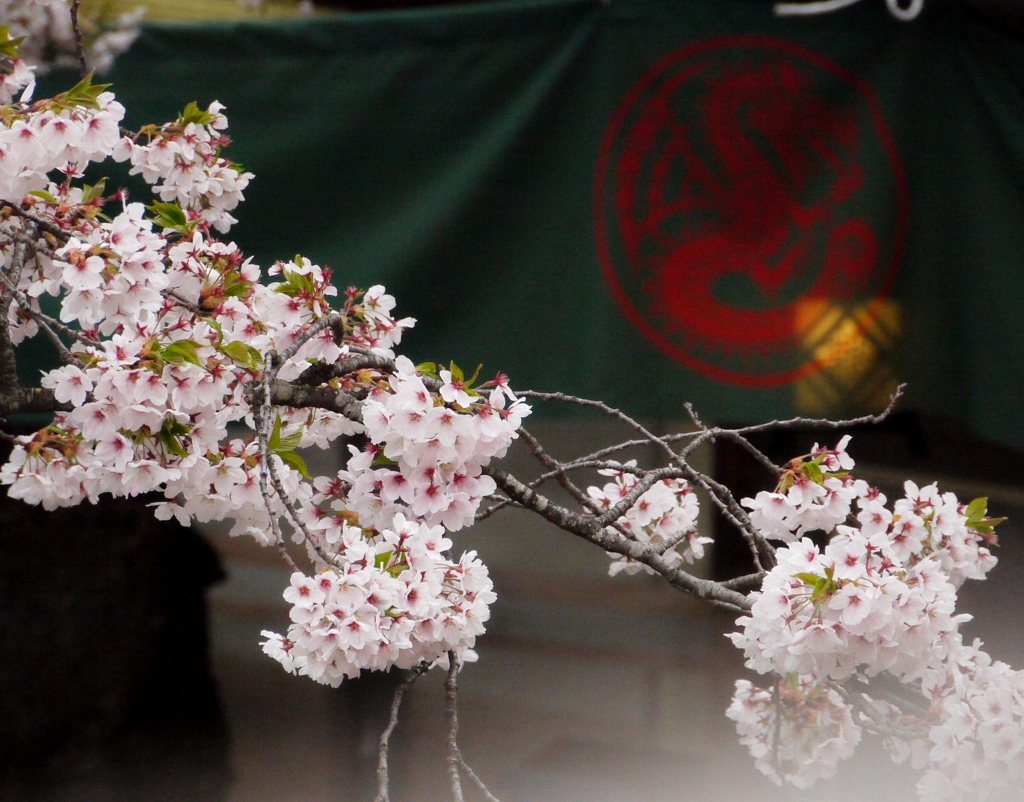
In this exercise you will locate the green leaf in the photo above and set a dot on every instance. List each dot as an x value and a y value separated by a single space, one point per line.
808 578
212 322
9 46
275 435
294 283
814 472
243 353
985 526
84 93
381 560
193 114
168 438
821 588
90 193
46 196
476 375
289 442
181 351
456 372
976 509
427 369
380 461
293 460
281 445
234 286
169 215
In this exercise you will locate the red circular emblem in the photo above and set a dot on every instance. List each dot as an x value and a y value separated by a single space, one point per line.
745 187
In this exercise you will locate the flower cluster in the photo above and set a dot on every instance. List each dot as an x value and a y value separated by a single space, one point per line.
183 162
665 516
927 524
393 600
975 750
814 493
797 732
881 596
64 134
176 339
431 448
825 614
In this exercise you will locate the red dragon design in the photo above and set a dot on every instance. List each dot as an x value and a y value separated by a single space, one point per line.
738 193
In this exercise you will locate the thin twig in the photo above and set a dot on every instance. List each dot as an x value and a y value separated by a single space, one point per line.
46 323
476 780
626 503
258 419
586 527
383 778
79 46
191 307
709 435
675 540
760 549
558 470
823 423
451 714
273 362
302 339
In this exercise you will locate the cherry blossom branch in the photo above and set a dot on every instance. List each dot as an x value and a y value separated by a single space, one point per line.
721 496
824 423
649 480
13 275
563 467
55 325
268 463
46 323
183 302
9 383
885 686
589 529
709 434
31 400
746 582
383 778
789 423
288 394
307 335
451 714
29 239
43 223
322 372
675 540
265 490
567 484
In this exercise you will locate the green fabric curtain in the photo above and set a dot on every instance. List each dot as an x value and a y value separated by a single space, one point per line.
646 201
